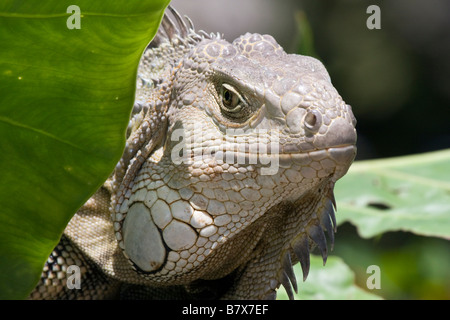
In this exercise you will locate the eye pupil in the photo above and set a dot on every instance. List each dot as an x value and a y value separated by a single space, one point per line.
227 96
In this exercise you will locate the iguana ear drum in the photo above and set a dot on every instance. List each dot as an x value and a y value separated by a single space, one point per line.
142 239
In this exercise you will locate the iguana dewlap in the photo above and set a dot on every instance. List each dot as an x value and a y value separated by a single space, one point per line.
226 180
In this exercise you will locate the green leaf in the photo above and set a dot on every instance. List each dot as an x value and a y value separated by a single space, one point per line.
334 281
410 193
66 95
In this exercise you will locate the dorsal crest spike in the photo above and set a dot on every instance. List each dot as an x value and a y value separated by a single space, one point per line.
177 29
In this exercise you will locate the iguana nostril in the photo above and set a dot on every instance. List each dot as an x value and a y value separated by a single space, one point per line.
310 119
313 121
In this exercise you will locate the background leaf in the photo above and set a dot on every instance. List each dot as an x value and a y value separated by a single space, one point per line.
410 193
412 267
65 98
335 281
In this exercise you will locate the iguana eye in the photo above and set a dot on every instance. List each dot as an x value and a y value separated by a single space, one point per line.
231 100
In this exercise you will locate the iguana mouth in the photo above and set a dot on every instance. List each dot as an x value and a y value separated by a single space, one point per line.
324 161
340 154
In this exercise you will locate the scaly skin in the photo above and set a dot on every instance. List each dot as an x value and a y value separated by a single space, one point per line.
226 180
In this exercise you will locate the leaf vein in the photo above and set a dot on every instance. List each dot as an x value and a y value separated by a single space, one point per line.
41 132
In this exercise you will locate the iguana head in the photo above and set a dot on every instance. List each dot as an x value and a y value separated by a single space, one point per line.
247 143
250 98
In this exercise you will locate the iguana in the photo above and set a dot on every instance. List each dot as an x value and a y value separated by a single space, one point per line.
226 180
